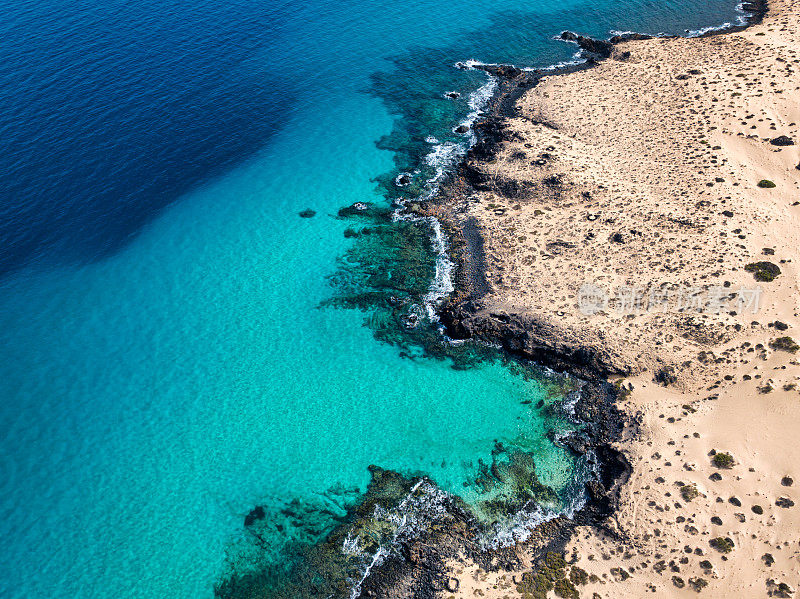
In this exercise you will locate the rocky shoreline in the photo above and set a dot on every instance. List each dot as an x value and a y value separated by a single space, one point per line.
423 570
526 336
421 565
414 531
645 168
463 315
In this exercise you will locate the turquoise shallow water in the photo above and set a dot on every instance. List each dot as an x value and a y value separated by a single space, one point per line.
163 374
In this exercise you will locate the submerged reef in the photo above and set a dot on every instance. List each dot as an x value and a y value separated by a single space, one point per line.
396 540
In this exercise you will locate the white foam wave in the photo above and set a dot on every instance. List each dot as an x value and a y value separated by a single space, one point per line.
705 30
518 528
441 158
423 505
577 58
741 19
477 102
473 64
521 525
442 284
377 559
351 545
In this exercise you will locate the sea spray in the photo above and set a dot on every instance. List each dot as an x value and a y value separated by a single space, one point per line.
442 159
424 505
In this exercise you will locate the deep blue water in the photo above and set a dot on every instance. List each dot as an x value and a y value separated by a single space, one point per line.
166 362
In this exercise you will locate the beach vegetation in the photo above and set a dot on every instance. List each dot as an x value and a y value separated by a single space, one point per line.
723 460
666 376
786 344
535 586
620 574
722 544
781 589
564 588
689 492
578 575
551 575
763 271
623 391
698 584
554 561
766 184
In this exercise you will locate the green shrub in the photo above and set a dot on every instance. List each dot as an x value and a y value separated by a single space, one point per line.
763 271
578 575
722 544
723 460
766 184
555 561
536 586
689 492
786 344
620 574
623 391
565 589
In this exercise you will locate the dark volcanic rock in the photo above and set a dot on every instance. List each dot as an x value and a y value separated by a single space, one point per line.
576 442
403 180
503 71
533 338
629 36
600 47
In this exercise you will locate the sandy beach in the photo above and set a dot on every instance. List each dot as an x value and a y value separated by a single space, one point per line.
643 214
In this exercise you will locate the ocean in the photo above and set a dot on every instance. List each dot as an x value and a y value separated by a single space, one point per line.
178 344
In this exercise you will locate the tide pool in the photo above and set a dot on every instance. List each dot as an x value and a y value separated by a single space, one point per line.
169 357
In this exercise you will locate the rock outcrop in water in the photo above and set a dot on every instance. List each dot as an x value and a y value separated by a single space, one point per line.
396 540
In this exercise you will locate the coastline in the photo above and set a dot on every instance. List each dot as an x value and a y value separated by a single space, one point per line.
442 556
475 206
